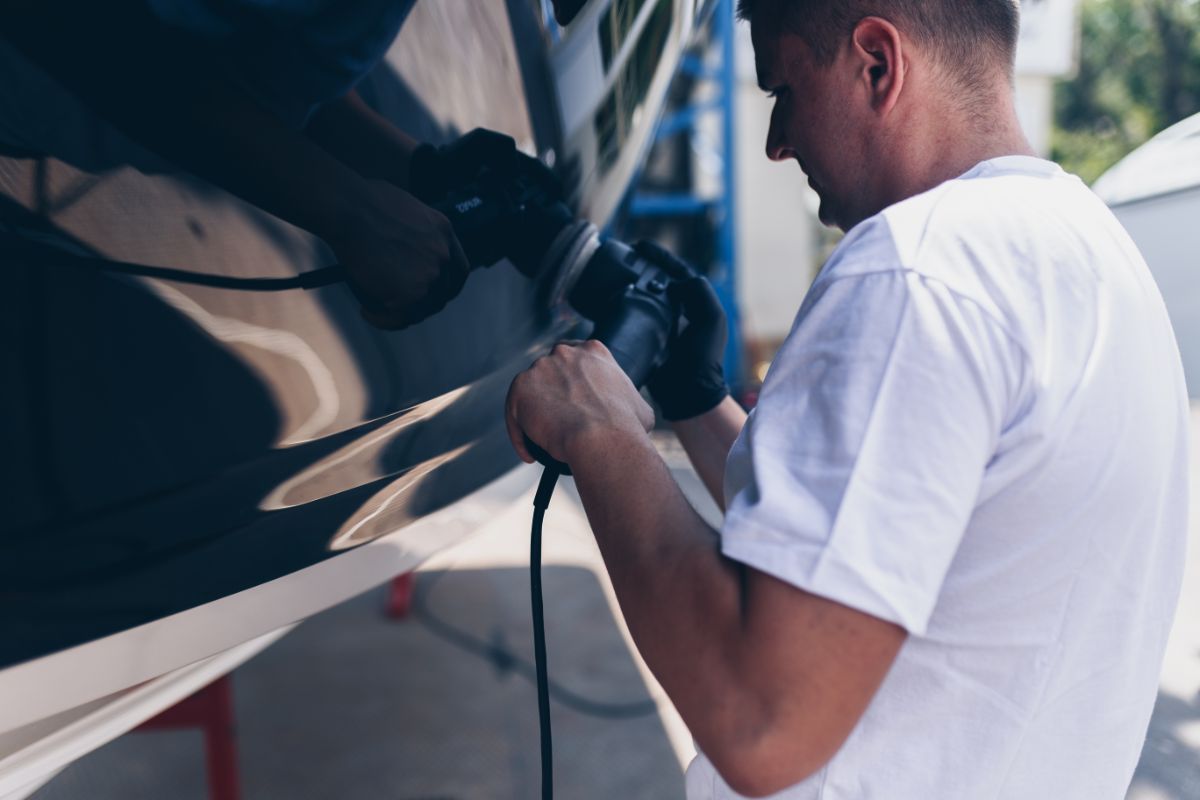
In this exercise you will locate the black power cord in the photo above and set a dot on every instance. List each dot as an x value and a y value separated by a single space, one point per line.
505 660
541 501
44 253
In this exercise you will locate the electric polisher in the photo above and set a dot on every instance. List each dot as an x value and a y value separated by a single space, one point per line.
512 207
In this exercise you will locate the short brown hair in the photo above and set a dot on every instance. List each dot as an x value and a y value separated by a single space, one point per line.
965 35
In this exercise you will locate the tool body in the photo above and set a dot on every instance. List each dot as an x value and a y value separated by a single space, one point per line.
517 212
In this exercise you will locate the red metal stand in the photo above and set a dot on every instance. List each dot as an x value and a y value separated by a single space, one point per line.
399 601
210 709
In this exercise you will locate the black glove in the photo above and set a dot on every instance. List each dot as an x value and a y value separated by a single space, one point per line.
434 172
692 380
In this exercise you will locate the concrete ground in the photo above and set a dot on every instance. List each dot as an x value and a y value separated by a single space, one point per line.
355 706
1170 765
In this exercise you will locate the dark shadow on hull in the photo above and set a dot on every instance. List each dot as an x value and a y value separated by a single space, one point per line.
145 448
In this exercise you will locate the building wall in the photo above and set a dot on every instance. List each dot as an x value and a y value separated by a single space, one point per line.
1035 109
778 232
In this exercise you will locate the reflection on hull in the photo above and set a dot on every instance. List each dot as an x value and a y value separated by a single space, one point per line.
292 507
35 689
178 451
175 443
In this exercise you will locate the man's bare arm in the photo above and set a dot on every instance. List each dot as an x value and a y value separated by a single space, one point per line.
708 439
359 136
770 679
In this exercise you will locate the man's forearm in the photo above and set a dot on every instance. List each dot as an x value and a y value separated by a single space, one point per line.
357 135
770 679
708 439
680 597
228 140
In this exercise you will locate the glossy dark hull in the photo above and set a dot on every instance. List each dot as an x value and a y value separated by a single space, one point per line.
172 444
155 429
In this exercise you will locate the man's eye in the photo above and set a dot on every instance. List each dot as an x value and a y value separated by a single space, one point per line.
776 92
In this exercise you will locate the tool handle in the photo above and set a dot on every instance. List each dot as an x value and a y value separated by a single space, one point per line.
636 333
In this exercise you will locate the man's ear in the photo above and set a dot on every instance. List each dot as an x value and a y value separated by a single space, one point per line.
879 49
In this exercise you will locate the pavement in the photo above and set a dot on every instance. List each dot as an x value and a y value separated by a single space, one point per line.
1170 765
356 706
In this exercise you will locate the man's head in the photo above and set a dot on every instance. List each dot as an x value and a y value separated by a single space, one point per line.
967 36
874 97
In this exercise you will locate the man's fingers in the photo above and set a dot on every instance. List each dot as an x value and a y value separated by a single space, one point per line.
515 434
699 300
646 416
594 346
600 350
657 254
446 285
460 266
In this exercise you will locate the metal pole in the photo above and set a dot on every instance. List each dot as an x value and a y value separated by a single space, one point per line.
727 226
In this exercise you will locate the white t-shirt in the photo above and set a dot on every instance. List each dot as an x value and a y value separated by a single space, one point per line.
977 430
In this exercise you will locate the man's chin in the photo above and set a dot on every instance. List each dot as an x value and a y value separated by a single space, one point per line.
826 214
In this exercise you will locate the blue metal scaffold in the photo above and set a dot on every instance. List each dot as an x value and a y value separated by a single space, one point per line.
712 65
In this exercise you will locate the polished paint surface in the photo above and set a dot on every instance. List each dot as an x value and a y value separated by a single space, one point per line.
172 442
169 443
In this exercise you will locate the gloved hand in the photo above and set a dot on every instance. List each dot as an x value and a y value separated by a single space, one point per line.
692 380
395 227
401 257
434 172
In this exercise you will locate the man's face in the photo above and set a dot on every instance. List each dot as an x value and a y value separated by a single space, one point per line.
813 121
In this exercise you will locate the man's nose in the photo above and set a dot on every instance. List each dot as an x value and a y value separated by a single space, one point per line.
777 148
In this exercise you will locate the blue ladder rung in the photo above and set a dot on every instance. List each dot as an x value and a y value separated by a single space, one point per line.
685 118
669 205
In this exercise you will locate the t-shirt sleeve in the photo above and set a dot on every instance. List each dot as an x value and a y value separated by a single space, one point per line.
860 467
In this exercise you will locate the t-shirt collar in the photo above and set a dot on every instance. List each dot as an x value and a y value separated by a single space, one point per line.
1024 165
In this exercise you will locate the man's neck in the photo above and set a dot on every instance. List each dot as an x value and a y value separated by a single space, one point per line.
945 143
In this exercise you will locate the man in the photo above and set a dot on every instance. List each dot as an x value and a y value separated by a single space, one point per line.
955 520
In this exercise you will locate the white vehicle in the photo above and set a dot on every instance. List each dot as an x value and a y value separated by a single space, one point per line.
1155 192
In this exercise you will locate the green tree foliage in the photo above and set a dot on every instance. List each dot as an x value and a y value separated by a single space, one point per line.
1139 72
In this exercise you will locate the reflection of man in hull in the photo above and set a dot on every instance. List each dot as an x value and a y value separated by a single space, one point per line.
955 520
257 96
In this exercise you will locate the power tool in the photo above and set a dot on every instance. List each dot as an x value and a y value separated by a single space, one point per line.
511 206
